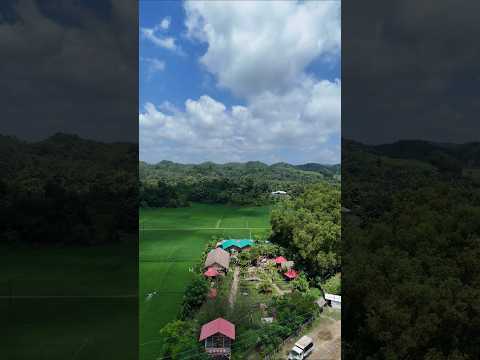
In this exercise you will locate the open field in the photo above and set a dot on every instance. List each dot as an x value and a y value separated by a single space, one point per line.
171 242
68 302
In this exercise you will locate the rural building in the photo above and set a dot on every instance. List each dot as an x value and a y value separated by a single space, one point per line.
237 245
279 260
218 336
218 259
287 265
335 301
279 193
211 272
291 274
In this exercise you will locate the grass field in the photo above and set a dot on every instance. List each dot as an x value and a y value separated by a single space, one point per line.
68 302
171 242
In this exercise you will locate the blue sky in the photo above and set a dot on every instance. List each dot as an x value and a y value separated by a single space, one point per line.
240 81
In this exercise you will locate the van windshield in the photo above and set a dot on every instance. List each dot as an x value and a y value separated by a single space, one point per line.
294 355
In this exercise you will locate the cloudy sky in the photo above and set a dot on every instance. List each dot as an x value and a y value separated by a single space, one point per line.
239 81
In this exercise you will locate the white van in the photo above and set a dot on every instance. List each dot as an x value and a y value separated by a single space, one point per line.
301 349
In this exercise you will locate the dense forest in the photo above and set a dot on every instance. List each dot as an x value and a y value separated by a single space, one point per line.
67 190
411 250
308 226
169 184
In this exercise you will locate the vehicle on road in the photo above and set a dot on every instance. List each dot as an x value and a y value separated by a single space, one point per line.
301 349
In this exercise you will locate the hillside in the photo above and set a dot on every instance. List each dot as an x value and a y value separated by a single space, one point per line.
67 189
169 184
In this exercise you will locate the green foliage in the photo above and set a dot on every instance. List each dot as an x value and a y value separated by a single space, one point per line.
195 295
180 341
333 285
409 255
309 226
294 309
301 283
171 184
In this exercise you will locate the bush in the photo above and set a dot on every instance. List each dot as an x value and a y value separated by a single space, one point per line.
333 285
195 295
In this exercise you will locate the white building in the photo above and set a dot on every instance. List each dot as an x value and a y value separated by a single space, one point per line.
335 301
279 193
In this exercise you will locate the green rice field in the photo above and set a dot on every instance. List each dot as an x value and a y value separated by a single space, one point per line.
171 242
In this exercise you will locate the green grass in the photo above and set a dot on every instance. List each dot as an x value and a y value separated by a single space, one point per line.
58 304
171 242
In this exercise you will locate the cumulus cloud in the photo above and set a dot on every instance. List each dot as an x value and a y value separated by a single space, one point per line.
154 66
154 35
263 45
301 120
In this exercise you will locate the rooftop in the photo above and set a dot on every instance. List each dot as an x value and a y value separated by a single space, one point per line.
216 326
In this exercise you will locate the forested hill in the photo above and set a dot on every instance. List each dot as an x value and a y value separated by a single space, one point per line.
172 184
251 169
410 245
67 189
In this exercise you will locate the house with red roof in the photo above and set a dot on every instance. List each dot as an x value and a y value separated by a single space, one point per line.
211 272
279 260
291 274
218 336
218 259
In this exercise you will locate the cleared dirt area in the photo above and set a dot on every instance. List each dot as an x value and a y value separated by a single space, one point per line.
327 338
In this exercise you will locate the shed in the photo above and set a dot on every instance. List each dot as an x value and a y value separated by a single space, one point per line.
218 259
335 301
218 336
287 265
291 274
237 244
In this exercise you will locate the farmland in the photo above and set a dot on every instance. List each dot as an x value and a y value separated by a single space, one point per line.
171 242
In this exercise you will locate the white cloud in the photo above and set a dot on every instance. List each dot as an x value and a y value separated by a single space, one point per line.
153 34
300 120
263 45
165 23
154 66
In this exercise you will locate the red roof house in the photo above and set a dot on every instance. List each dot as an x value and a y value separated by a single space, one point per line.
279 260
218 336
291 274
211 272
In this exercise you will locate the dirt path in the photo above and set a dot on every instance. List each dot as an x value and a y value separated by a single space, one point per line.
234 288
327 339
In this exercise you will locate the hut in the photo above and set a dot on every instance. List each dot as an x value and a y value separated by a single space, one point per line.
279 260
218 336
236 245
218 259
291 274
335 301
287 265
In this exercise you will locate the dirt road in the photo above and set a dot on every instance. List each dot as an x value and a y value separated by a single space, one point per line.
234 288
327 339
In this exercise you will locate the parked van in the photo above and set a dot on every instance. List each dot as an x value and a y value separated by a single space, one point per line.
301 349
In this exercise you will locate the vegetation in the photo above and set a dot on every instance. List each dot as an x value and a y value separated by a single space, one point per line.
411 244
195 294
181 341
66 190
309 228
333 285
173 185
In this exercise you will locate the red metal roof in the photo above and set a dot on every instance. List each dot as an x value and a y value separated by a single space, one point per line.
219 325
211 272
280 260
291 274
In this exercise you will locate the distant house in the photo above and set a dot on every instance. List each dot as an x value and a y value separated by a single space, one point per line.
335 301
279 260
218 259
237 245
279 193
218 336
211 272
291 274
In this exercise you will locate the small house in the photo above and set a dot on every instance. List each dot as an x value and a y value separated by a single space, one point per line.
279 260
211 272
218 259
279 193
237 245
291 274
335 301
217 336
